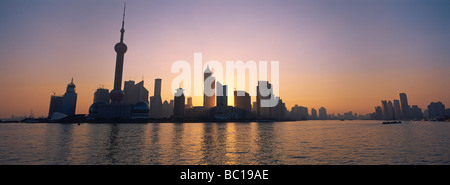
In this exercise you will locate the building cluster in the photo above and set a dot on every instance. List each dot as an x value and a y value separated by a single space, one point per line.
133 103
399 109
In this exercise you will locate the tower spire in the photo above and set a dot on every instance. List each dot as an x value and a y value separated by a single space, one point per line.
123 23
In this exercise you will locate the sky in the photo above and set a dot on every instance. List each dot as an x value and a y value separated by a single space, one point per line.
343 55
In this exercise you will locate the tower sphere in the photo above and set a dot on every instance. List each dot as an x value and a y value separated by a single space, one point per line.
120 47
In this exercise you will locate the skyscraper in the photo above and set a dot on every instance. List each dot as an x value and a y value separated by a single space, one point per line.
55 105
397 110
134 93
179 104
261 111
242 102
221 98
436 109
323 113
156 101
209 97
116 94
313 114
101 95
384 107
69 100
404 106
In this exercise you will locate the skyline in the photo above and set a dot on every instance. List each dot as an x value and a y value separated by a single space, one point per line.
412 56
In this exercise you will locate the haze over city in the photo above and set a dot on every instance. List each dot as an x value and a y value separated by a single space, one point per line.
345 57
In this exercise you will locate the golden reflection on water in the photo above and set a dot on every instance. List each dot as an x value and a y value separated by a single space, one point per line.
309 142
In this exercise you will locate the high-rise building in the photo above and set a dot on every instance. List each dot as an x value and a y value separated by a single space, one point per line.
221 98
299 112
384 107
390 111
179 104
313 114
101 95
189 104
209 97
404 106
397 110
134 93
323 113
242 100
69 100
156 101
55 105
167 109
116 94
263 111
416 112
378 113
436 109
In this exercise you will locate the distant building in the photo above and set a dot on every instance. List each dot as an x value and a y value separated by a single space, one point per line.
208 97
299 113
313 114
189 104
378 113
101 95
397 110
416 112
55 105
167 109
261 111
323 113
242 100
134 93
436 109
221 98
404 106
156 104
179 104
69 100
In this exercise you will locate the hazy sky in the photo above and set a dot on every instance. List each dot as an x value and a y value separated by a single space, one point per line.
343 55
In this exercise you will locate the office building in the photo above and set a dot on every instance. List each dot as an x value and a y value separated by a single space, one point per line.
179 104
404 106
209 95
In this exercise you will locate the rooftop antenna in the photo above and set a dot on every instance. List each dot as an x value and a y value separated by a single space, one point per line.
123 23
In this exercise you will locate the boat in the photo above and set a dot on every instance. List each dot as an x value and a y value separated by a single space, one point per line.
392 122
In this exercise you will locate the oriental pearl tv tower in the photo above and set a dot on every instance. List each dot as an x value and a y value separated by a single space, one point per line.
116 94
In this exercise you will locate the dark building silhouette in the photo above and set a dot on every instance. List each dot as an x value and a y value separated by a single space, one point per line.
397 110
416 112
208 97
299 113
117 94
261 111
156 101
101 95
323 113
221 98
404 106
378 113
436 109
179 104
134 93
242 100
313 114
55 105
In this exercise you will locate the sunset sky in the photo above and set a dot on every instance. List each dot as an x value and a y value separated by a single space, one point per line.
343 55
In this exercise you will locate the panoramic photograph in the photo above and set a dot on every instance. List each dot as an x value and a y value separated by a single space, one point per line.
225 83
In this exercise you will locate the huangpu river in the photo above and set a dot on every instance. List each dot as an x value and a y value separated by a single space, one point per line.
286 143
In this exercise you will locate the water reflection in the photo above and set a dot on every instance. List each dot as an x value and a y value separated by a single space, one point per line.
309 142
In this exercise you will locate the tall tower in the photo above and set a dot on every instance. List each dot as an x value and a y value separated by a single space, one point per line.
208 99
404 106
120 48
69 100
156 102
